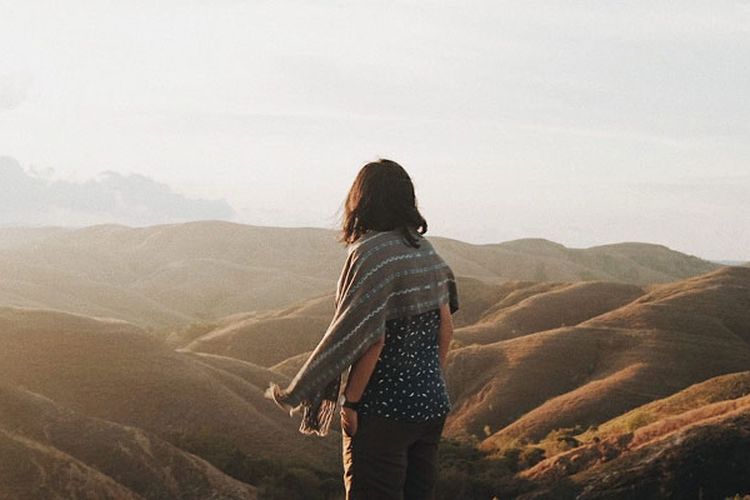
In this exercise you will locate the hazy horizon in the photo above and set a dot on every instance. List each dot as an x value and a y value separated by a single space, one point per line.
429 234
583 124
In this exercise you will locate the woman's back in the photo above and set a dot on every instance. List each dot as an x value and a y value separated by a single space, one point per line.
407 383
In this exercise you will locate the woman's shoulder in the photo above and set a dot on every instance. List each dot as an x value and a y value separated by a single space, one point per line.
385 243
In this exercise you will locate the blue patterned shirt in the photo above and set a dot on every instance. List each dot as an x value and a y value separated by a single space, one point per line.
407 383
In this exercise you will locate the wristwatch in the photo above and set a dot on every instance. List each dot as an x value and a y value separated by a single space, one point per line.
345 403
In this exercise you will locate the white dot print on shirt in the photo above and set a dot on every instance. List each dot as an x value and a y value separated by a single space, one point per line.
409 364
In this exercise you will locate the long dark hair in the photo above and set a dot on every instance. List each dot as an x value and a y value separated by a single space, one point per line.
382 199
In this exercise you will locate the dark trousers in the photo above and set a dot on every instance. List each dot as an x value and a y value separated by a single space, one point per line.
391 460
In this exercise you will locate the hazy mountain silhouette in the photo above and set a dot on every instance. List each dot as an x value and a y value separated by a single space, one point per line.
177 274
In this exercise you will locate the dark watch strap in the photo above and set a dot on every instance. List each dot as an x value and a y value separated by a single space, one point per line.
354 405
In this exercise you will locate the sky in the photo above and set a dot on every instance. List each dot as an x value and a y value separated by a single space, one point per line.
585 123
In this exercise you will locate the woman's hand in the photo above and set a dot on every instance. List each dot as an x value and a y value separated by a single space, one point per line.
348 421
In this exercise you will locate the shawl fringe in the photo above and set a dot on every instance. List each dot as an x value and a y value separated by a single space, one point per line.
317 422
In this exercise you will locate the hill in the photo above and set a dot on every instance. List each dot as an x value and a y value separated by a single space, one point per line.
114 371
543 260
48 451
272 337
170 274
717 389
11 236
177 274
517 391
290 366
543 306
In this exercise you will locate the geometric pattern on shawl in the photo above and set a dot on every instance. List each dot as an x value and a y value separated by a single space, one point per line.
383 277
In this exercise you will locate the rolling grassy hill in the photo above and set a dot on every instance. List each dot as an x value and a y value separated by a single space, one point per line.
270 338
620 368
171 274
543 306
543 260
112 370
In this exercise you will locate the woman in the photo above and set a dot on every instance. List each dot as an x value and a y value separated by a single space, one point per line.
392 326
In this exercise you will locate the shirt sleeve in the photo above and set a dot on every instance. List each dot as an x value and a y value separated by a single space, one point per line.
453 300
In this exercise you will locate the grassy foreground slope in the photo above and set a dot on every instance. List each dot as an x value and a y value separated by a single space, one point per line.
690 445
48 451
112 370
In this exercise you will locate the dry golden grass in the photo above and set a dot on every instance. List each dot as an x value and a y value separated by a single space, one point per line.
477 297
717 389
677 455
115 371
551 351
521 389
170 274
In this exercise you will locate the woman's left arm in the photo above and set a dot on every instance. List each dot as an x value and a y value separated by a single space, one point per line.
358 378
362 370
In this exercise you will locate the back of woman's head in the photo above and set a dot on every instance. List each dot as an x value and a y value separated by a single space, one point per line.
382 199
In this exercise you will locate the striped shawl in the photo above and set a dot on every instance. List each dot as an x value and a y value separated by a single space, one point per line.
383 278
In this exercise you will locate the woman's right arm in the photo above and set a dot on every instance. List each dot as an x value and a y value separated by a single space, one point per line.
446 333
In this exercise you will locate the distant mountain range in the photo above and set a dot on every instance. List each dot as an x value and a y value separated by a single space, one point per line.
731 262
177 274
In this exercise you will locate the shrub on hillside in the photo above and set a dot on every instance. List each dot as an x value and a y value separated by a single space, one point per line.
561 440
466 473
